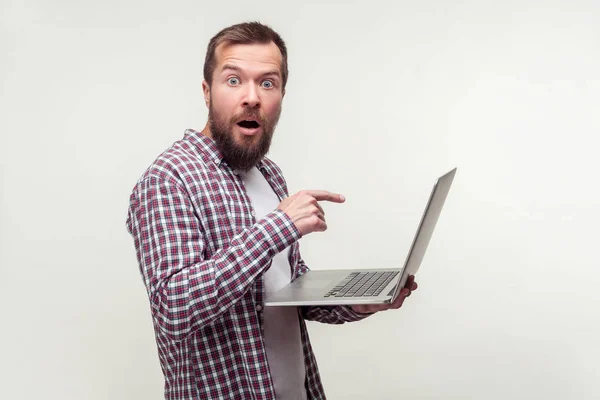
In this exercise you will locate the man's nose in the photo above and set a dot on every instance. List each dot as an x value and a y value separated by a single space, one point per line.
252 98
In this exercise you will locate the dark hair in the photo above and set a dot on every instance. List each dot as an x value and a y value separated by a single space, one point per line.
244 33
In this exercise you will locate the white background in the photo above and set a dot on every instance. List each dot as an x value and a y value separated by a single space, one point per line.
383 98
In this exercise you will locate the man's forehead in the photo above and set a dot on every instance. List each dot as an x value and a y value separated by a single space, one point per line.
256 55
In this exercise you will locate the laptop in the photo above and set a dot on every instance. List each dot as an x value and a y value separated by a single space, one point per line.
366 286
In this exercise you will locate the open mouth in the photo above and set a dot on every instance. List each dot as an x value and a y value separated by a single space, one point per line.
249 124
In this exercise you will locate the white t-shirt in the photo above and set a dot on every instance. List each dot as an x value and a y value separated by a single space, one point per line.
281 324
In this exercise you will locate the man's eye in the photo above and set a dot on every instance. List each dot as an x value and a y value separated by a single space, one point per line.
233 81
267 84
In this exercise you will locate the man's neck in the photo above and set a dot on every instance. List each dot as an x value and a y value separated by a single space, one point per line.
206 131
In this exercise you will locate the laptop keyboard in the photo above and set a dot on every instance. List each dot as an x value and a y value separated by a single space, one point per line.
362 284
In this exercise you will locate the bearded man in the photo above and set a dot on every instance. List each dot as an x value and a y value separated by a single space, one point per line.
215 232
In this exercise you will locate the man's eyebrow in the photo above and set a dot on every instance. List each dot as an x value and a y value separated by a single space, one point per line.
271 73
232 67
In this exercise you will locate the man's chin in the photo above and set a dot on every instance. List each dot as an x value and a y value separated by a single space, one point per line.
239 150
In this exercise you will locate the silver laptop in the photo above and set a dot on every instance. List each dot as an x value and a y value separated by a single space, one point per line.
366 286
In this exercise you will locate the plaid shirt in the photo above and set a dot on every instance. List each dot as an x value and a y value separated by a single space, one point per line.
202 255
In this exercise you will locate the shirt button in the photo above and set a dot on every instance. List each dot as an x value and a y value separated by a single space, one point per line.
235 172
259 308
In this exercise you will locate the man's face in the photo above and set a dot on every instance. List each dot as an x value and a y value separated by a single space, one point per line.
244 101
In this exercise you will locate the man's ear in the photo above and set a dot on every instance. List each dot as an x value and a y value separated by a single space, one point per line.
206 91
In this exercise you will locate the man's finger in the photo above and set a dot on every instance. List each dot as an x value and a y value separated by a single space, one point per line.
399 304
400 299
323 195
322 226
321 216
321 209
410 283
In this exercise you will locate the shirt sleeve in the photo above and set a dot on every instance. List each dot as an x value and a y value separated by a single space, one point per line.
186 290
328 314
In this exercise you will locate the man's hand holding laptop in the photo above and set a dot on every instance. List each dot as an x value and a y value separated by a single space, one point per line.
404 293
305 212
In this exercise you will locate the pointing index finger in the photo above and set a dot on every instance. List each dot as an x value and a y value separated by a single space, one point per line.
323 195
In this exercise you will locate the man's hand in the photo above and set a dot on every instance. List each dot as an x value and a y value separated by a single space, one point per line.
404 293
305 211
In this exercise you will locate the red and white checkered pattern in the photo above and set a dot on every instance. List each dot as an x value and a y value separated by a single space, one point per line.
201 255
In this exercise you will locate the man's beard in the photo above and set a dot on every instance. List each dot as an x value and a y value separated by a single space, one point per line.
246 155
